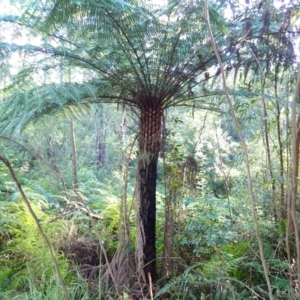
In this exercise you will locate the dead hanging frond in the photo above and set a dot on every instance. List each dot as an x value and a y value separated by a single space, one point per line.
266 45
122 267
237 67
247 68
247 28
286 52
266 20
190 170
287 20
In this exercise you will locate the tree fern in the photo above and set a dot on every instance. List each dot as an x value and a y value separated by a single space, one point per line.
141 58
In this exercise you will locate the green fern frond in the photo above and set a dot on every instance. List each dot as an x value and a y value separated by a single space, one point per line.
23 108
168 287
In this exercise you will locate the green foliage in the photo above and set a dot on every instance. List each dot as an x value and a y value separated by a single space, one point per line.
24 258
208 224
131 53
195 283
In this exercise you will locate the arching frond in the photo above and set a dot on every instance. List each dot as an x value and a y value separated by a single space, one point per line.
141 52
71 99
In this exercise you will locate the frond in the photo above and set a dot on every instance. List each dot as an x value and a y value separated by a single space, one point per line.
19 109
134 51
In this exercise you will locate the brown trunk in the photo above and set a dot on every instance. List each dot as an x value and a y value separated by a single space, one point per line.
295 175
149 147
269 160
292 216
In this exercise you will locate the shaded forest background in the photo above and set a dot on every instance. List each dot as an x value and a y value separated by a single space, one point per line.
78 100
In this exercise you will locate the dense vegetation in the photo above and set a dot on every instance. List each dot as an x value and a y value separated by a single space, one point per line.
149 151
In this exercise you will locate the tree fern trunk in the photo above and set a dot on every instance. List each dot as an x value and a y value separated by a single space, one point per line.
149 147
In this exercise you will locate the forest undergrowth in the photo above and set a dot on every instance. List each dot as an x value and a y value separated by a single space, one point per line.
149 150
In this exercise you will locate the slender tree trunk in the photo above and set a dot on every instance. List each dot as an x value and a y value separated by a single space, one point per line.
149 147
74 152
168 235
73 141
292 221
100 141
269 160
283 208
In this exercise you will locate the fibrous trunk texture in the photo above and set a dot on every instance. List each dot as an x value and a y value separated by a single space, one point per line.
149 147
